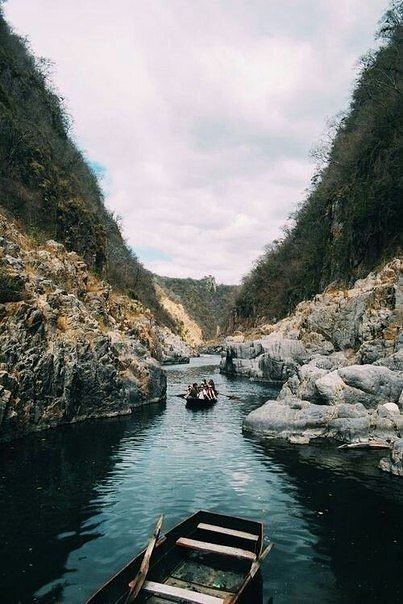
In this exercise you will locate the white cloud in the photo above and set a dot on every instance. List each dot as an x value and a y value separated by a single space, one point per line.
201 112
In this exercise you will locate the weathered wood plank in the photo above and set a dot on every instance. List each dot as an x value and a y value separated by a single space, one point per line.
136 584
214 548
207 589
226 531
179 594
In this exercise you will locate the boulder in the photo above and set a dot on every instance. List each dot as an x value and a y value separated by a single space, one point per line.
307 376
329 362
388 410
269 359
302 419
394 463
379 383
393 362
331 388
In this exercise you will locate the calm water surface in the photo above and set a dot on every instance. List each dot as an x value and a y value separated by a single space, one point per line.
78 502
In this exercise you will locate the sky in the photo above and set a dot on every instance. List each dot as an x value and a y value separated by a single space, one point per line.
199 116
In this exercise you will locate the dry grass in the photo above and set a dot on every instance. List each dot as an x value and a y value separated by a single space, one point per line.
62 323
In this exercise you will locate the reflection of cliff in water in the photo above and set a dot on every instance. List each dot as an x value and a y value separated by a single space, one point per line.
61 488
353 510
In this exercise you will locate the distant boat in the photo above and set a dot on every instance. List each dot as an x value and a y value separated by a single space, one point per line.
200 403
207 559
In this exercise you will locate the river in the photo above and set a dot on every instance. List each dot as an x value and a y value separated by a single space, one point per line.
76 503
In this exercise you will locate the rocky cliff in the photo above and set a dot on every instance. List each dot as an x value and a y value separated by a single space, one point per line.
339 359
191 331
71 348
201 306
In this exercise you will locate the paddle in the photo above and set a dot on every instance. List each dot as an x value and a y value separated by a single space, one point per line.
253 569
256 565
137 583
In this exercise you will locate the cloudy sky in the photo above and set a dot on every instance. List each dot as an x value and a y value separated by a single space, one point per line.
200 115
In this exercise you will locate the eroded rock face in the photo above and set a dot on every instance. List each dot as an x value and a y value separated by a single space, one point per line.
272 359
173 349
394 463
344 380
71 349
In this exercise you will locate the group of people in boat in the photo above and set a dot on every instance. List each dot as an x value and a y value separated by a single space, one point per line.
205 390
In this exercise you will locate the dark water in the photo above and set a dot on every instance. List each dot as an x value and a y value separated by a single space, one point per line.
77 503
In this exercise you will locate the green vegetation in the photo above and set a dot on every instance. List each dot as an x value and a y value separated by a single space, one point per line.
205 302
45 181
352 218
11 287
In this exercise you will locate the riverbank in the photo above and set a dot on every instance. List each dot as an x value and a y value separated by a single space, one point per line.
339 359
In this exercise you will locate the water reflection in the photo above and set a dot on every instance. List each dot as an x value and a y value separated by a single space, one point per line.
79 502
49 489
352 522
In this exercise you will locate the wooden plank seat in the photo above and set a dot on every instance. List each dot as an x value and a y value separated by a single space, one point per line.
176 594
227 531
214 548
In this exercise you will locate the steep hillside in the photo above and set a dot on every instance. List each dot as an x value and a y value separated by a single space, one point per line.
46 183
189 329
352 219
70 347
205 302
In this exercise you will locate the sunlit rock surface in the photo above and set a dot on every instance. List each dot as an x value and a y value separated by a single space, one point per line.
341 366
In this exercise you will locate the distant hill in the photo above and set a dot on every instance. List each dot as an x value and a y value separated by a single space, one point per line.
352 218
47 184
207 303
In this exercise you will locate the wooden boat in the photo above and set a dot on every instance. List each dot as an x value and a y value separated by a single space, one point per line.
207 559
200 403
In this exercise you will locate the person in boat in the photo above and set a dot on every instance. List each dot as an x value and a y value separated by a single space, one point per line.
202 389
202 392
208 392
192 391
212 389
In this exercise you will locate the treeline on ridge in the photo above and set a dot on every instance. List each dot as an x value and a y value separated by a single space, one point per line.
352 218
45 182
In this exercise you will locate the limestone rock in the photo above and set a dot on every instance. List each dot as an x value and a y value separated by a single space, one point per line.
270 359
389 409
380 383
347 382
173 349
331 388
277 419
72 349
394 463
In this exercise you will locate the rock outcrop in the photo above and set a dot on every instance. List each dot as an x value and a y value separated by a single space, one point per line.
173 350
394 463
191 331
70 348
269 359
339 359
